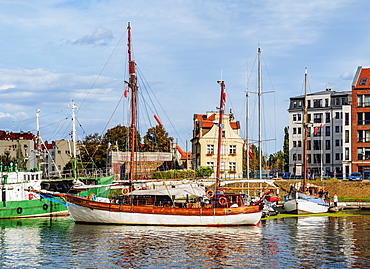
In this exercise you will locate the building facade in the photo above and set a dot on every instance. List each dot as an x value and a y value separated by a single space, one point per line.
205 143
329 125
360 135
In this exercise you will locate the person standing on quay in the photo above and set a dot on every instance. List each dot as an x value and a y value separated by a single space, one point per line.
335 199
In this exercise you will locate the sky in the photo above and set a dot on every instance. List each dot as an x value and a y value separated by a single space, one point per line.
53 52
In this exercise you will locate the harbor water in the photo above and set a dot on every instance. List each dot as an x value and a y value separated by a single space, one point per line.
289 242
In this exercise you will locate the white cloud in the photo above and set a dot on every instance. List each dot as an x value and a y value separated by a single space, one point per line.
100 37
7 86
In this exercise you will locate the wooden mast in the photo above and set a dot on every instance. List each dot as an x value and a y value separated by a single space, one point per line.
305 133
132 85
220 128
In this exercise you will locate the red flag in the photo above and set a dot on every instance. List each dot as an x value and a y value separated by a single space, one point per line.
125 93
250 152
223 98
317 128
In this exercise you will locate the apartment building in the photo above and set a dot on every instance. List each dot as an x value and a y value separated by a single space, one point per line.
329 136
361 122
205 143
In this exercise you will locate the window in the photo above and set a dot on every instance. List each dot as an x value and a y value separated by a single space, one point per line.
317 117
327 158
317 103
317 158
308 158
327 117
346 136
337 129
327 144
363 118
210 149
294 157
337 115
299 130
222 166
308 103
337 156
308 145
309 131
299 143
363 81
337 142
363 153
68 152
294 144
232 149
326 102
346 118
327 130
363 100
232 166
363 136
294 103
294 117
59 152
346 154
316 144
299 117
294 130
308 117
299 157
223 134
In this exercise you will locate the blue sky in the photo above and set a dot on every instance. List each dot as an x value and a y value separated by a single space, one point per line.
52 52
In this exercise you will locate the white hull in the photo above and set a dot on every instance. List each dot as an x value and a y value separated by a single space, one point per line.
300 206
88 215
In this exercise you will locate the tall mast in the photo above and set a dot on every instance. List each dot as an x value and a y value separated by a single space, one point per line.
259 113
305 131
247 130
133 87
220 127
74 140
38 150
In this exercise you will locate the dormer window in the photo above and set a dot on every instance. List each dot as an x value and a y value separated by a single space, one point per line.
363 81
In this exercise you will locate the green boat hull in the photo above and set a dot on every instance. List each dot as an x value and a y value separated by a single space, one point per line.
32 208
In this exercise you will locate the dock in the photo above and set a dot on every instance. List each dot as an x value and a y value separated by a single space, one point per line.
354 205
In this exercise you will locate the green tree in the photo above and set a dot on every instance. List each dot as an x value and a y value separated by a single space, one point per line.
276 160
93 151
120 136
157 140
204 171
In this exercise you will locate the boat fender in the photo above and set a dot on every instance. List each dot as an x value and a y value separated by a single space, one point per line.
210 193
19 210
222 200
45 206
125 191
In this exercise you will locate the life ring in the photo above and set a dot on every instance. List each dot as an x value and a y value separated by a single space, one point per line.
45 206
210 193
19 210
222 200
125 191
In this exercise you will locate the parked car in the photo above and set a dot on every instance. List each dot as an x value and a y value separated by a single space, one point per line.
355 177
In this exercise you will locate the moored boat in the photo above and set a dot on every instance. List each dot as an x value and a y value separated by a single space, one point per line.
188 204
18 200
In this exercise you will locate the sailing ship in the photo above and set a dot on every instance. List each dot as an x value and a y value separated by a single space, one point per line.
306 198
188 204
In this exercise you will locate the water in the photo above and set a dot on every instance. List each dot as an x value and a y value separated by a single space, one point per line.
305 242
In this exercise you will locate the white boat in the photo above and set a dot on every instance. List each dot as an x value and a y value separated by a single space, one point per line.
306 198
188 205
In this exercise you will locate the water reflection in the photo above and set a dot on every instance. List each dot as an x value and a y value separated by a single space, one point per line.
309 242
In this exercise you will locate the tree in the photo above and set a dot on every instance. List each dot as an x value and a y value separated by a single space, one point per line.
93 151
120 136
157 140
276 160
253 160
204 171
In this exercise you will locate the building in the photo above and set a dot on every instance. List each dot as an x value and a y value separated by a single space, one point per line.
55 156
205 142
20 146
360 135
329 125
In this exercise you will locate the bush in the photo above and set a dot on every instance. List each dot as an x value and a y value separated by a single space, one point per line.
204 171
174 174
